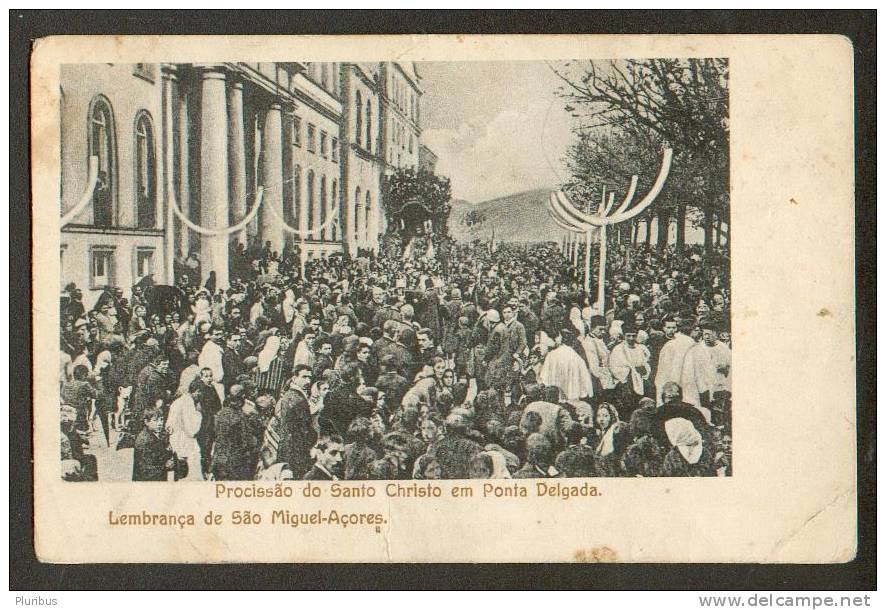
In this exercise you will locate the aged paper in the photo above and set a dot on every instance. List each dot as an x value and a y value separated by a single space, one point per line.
153 112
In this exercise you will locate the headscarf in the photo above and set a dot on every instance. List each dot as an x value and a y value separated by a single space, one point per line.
499 465
683 435
607 442
268 353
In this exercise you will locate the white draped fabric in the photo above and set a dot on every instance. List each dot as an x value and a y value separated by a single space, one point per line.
183 423
670 362
705 369
625 361
566 370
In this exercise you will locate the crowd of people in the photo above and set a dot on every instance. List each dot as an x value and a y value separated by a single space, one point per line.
480 362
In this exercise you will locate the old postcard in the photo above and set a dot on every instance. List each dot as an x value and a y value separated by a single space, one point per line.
444 299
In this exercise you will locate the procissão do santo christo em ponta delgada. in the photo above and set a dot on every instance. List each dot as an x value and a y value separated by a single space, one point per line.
490 489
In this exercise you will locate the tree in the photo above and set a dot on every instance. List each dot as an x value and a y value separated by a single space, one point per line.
653 103
413 197
473 220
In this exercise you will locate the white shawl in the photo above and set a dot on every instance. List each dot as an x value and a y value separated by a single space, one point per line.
183 423
623 362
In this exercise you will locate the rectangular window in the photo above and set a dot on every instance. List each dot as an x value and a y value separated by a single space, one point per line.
101 272
323 150
296 131
311 138
335 150
144 262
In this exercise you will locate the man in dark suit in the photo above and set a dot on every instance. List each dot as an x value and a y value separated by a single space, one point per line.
328 454
398 349
210 405
152 384
232 364
344 404
153 456
297 435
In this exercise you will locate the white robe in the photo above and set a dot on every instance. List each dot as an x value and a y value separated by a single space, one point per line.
700 372
624 362
288 306
183 423
211 358
299 323
566 370
303 355
670 362
257 311
724 364
598 360
202 309
187 376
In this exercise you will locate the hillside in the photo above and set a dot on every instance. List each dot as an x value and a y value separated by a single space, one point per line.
523 217
519 217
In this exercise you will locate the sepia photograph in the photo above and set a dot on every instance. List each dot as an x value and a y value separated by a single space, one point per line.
395 270
443 299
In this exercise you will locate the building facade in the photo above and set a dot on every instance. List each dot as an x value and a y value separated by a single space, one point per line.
183 152
427 160
363 169
113 113
401 107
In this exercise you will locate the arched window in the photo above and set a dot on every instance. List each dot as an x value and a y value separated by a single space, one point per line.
310 210
368 224
101 137
357 212
333 197
145 172
359 114
323 204
369 125
296 195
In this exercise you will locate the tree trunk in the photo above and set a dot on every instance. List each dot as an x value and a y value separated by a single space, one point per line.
708 232
681 227
648 232
719 230
664 225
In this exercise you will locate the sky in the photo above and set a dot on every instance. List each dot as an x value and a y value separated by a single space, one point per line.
497 127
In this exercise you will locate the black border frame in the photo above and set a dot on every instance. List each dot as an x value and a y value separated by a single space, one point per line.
27 573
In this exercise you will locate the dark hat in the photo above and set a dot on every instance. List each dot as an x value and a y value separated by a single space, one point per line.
629 326
598 321
709 323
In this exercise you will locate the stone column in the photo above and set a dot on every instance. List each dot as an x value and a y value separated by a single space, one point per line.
271 228
184 172
241 202
214 194
169 104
